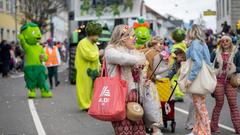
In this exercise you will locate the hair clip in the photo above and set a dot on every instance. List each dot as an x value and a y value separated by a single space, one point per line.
126 28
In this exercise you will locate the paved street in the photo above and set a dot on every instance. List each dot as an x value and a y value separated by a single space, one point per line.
60 115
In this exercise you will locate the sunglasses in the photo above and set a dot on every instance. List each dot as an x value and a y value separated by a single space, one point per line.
225 41
157 43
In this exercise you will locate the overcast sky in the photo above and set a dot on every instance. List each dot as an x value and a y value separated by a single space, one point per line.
185 9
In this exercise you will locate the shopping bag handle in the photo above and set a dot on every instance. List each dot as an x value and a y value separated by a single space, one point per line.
104 70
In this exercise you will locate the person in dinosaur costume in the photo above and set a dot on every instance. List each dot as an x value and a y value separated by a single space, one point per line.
87 65
178 36
142 33
34 71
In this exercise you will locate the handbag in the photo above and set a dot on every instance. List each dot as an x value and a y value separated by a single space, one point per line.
109 98
134 111
235 80
152 106
204 83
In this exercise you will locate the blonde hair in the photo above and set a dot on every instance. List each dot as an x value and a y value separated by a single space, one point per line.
226 38
196 32
120 32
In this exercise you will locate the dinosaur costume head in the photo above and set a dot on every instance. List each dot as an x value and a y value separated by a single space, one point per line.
178 35
31 33
142 32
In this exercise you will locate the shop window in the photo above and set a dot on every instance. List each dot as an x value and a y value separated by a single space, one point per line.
7 5
1 5
1 33
8 34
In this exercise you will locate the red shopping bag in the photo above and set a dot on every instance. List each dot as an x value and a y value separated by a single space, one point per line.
109 98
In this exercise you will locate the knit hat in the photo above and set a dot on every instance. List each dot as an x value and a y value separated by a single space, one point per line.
226 37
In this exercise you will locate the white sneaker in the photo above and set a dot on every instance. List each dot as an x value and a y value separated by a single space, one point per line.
190 133
189 127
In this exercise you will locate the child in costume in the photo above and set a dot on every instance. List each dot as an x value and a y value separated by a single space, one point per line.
142 33
180 56
178 36
87 65
34 71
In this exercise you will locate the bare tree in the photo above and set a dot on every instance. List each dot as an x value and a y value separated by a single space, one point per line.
40 11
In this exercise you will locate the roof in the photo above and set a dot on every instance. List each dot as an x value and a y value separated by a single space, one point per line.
158 15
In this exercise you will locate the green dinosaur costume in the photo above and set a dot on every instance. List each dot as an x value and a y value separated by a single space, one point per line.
34 71
87 66
142 32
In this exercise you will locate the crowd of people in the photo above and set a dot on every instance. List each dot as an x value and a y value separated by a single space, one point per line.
162 58
12 56
145 63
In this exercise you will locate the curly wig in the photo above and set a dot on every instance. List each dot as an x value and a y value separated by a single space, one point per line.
178 35
93 29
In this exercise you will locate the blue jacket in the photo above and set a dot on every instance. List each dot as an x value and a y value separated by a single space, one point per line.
198 52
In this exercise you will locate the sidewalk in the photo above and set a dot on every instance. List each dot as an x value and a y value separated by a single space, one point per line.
14 75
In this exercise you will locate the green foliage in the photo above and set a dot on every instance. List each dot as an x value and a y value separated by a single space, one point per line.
99 9
85 7
101 6
115 9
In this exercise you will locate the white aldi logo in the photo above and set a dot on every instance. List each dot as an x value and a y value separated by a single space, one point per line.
104 96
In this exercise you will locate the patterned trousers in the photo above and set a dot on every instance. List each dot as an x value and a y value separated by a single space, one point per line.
127 127
202 124
231 95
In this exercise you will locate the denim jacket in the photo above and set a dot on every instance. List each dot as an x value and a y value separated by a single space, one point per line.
198 52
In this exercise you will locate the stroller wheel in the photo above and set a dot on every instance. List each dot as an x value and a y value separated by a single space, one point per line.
173 126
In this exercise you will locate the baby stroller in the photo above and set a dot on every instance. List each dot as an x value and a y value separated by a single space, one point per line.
168 111
165 95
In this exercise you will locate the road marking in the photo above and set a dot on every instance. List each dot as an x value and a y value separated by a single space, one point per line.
220 125
36 119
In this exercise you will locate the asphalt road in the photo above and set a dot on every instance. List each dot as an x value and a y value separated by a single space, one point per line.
60 115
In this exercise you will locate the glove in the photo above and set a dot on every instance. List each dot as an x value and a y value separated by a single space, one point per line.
93 73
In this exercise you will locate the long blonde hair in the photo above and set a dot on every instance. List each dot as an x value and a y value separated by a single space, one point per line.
120 32
196 32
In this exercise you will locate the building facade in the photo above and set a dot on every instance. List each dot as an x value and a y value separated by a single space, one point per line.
11 21
227 10
8 23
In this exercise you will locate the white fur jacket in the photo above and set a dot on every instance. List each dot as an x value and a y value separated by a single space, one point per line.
217 60
127 59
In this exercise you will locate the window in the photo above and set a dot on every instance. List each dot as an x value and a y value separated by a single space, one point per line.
223 8
7 5
220 9
1 34
228 7
8 34
1 5
13 35
12 6
21 5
